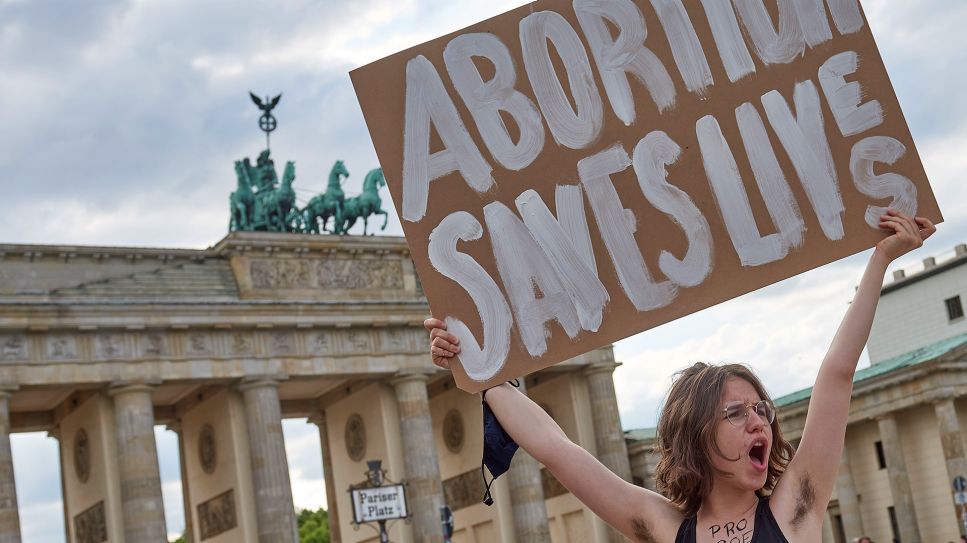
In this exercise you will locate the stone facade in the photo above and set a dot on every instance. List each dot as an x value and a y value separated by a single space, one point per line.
98 345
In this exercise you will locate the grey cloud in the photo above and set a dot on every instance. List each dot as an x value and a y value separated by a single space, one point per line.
130 113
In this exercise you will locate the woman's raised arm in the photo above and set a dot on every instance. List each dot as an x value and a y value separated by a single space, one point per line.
638 513
807 485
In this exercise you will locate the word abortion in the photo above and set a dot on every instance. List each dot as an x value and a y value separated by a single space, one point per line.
555 252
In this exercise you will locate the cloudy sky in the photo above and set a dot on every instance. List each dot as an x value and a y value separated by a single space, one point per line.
121 119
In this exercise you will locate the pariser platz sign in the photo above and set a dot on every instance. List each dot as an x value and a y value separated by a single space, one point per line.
379 503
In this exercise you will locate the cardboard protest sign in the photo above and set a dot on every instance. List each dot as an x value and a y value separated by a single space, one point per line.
570 173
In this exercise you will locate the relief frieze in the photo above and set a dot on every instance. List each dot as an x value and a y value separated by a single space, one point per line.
320 343
152 345
464 490
358 341
345 274
241 344
13 347
199 344
155 344
355 437
217 515
282 343
207 451
61 347
552 487
82 456
400 339
90 526
110 346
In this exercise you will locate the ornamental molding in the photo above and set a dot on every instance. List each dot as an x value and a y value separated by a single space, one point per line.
90 346
328 274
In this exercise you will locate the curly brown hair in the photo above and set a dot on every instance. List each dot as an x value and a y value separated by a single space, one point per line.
686 435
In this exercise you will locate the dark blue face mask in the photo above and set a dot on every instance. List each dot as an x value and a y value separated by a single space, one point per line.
498 449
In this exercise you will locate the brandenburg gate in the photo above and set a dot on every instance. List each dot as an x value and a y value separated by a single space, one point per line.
100 344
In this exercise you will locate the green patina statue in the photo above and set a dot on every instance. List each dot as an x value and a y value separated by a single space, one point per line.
261 203
258 203
328 204
366 204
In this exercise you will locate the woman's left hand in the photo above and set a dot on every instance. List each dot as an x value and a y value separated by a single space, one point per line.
908 233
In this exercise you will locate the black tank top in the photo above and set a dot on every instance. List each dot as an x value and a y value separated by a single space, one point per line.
766 528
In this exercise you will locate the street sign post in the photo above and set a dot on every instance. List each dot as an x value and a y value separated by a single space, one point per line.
960 498
375 501
446 520
380 503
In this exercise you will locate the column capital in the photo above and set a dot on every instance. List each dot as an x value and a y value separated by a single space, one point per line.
7 389
885 417
601 367
406 376
318 418
943 396
125 387
260 381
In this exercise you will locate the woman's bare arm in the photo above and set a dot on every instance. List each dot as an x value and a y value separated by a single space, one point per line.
807 485
636 512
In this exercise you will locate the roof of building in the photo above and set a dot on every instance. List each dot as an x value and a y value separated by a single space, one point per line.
205 280
934 268
641 433
919 356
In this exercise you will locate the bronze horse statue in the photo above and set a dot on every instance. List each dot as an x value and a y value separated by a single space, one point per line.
242 201
328 204
366 204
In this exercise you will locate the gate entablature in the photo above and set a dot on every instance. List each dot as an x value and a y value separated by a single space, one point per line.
308 307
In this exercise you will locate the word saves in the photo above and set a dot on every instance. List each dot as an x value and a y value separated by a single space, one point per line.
554 251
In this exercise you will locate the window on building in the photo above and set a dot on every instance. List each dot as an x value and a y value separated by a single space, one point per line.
880 457
894 525
954 308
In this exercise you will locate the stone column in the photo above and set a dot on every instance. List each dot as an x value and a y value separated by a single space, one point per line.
185 496
828 535
56 434
950 439
137 463
849 504
332 509
425 489
609 437
9 514
275 513
527 497
899 480
953 444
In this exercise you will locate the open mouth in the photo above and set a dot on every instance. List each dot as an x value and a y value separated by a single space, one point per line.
758 455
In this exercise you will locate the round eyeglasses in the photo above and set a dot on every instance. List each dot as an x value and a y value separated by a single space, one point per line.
738 412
